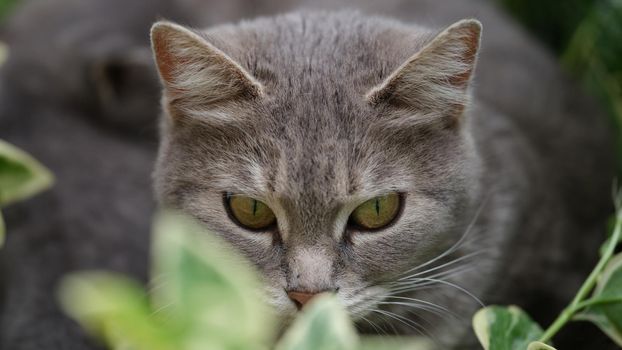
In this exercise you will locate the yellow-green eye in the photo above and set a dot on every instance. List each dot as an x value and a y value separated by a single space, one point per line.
250 213
376 212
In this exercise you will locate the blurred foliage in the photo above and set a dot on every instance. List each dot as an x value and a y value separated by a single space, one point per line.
5 6
4 53
21 177
595 54
207 296
204 296
324 325
599 300
587 35
552 21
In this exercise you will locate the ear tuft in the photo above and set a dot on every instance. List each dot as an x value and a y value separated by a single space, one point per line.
436 77
195 72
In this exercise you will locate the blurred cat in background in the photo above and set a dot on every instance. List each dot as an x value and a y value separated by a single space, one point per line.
338 151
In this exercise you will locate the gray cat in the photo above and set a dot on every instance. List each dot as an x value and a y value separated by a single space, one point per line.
355 155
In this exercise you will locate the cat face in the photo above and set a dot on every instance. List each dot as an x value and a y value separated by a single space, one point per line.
311 150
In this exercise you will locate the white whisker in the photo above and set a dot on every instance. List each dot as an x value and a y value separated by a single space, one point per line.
372 324
383 319
452 262
415 306
419 301
403 320
413 287
444 274
456 245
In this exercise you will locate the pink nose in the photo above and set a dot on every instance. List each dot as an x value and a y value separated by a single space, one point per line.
300 298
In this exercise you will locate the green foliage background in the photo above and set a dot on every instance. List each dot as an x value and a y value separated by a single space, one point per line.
587 37
5 6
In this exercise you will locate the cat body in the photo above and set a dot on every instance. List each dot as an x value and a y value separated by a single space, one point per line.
314 113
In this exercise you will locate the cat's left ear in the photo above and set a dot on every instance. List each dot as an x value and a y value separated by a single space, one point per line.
437 77
195 72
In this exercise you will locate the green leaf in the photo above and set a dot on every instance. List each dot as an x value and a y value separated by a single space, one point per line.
610 227
210 292
204 297
21 176
505 328
536 345
607 315
5 7
2 230
4 51
115 309
323 324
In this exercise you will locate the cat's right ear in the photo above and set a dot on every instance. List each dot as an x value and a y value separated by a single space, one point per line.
194 72
437 77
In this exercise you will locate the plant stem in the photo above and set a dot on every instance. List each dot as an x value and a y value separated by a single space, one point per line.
588 285
590 302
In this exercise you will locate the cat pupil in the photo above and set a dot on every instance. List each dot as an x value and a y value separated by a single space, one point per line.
377 207
254 207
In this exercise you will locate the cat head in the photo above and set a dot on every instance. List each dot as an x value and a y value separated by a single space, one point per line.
333 150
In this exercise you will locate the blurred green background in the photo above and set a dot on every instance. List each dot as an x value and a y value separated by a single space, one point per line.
587 37
5 6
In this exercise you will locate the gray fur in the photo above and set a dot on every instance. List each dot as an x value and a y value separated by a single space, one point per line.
312 147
